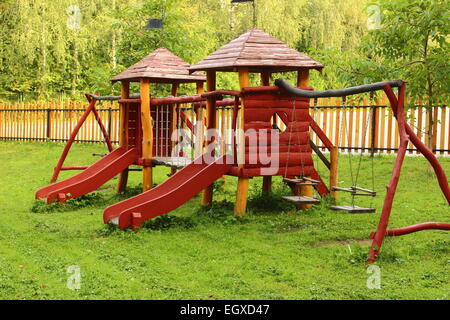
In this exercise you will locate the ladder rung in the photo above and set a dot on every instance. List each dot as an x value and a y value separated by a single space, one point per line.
301 182
289 180
342 189
311 180
354 191
353 209
301 200
365 190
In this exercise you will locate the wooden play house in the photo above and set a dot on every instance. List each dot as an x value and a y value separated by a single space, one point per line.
258 52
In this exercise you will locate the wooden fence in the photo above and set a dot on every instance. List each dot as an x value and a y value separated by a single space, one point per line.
55 122
367 128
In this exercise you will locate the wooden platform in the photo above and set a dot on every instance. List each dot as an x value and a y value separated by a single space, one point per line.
172 162
301 200
353 209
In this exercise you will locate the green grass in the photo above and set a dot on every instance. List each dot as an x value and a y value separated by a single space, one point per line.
275 252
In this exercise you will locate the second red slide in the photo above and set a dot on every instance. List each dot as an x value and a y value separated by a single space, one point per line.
167 196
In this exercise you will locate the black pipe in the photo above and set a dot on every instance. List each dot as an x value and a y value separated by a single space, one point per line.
285 85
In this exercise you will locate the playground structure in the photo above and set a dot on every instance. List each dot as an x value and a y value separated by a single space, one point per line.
174 131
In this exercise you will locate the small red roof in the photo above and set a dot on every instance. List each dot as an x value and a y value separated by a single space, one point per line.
257 51
160 66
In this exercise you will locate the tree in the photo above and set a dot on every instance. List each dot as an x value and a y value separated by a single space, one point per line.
413 42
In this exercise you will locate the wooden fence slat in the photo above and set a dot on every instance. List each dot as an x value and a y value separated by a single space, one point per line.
443 123
419 124
435 127
382 126
350 127
389 130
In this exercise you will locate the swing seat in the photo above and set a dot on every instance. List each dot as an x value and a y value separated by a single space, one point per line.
353 209
301 200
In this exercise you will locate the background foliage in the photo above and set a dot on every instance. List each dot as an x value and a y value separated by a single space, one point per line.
43 56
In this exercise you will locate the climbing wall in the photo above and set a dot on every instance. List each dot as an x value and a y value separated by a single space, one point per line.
162 118
263 106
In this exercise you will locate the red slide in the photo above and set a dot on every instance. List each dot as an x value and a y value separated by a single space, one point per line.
167 196
91 178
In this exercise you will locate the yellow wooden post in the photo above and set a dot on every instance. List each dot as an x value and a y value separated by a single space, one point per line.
303 78
147 134
307 191
123 132
242 188
334 152
207 195
267 181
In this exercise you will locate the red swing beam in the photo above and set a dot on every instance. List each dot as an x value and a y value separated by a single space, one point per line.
91 108
406 135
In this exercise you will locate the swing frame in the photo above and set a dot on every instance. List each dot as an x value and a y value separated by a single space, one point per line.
406 135
92 99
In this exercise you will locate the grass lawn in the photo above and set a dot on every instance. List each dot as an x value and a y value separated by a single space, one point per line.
275 252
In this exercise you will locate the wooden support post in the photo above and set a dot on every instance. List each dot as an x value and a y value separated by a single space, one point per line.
147 134
123 132
199 118
303 78
307 191
267 181
174 90
207 195
242 188
334 165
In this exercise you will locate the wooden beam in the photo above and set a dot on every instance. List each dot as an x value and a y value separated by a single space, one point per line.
173 92
174 89
123 132
267 181
207 195
147 133
303 81
303 78
334 153
265 78
199 118
242 188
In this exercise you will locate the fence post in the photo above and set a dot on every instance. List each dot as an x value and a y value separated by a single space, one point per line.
49 123
110 121
374 133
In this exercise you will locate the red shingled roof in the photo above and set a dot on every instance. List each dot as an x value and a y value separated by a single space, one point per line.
258 51
160 66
